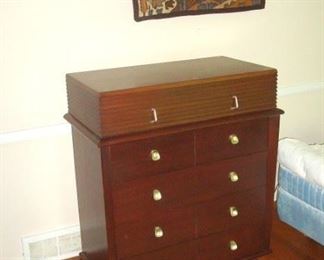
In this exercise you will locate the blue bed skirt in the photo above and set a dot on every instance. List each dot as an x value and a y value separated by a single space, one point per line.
301 204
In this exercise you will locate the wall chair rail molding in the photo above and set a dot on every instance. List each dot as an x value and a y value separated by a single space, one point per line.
156 9
35 133
300 88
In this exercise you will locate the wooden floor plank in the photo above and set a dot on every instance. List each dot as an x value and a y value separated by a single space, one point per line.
288 243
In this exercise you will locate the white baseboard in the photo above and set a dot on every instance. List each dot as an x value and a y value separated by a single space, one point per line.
65 129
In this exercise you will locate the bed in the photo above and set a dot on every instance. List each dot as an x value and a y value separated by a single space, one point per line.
300 190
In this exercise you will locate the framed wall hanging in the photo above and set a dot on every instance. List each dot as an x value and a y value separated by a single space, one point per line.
155 9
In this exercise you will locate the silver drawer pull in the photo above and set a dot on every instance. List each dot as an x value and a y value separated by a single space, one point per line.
155 117
235 103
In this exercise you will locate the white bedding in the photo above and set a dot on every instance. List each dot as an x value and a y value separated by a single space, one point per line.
305 160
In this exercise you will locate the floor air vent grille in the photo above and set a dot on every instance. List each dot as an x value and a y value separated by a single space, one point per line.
58 244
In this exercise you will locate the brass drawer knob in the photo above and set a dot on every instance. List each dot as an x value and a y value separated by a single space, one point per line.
233 211
157 195
233 245
158 232
233 139
155 155
233 176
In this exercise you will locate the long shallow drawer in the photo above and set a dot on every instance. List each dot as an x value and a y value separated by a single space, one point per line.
231 140
138 200
156 108
170 228
231 176
151 156
244 241
231 211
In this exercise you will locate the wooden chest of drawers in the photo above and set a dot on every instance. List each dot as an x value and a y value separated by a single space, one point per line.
175 160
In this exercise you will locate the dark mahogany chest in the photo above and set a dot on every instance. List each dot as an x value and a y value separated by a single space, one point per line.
175 160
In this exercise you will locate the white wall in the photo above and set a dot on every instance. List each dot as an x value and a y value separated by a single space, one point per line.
304 115
41 40
38 189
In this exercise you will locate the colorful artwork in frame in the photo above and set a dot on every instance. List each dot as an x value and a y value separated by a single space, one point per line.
154 9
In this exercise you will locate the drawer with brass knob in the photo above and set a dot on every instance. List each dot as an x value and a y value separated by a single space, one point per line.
231 140
238 243
231 211
155 196
169 228
231 176
151 156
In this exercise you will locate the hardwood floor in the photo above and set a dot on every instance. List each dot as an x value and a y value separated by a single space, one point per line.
288 244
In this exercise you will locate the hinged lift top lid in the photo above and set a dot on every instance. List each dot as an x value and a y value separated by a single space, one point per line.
133 99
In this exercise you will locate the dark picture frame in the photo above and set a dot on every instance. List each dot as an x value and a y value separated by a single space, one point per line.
190 7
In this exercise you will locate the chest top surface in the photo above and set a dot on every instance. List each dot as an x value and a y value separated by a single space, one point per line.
154 75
